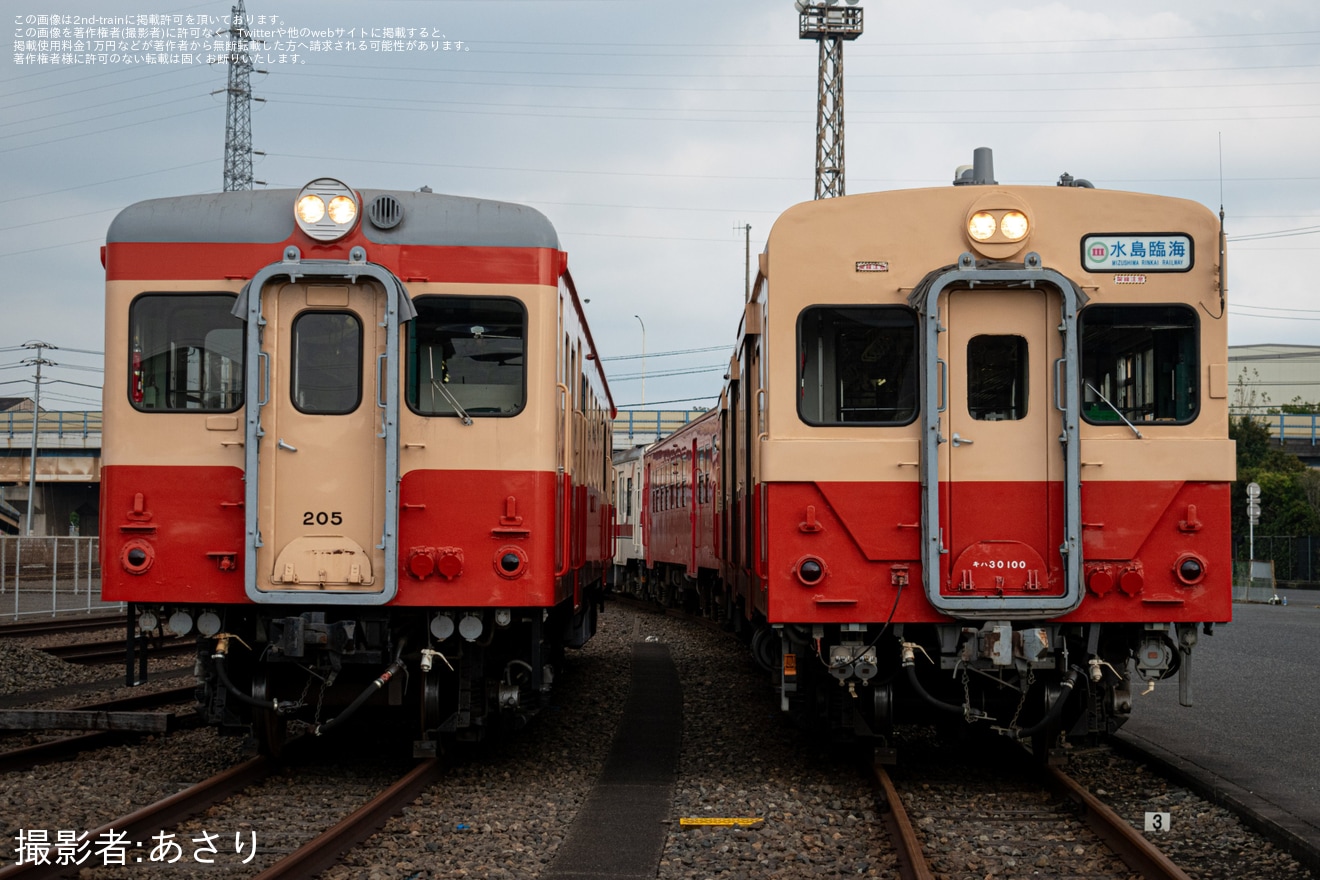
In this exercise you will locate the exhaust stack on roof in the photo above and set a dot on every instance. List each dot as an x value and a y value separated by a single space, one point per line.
980 173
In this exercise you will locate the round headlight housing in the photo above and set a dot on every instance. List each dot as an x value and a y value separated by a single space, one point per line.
326 209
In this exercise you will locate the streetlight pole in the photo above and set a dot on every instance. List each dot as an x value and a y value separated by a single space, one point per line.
643 323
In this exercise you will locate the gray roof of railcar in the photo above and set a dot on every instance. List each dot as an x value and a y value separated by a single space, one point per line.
267 216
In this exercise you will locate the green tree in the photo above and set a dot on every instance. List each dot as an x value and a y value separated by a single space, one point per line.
1288 489
1298 407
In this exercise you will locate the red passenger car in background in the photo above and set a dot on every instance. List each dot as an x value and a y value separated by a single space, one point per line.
679 520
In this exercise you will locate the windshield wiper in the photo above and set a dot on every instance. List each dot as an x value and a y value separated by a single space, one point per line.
1105 400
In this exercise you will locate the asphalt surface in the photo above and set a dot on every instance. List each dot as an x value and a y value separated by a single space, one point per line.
1251 738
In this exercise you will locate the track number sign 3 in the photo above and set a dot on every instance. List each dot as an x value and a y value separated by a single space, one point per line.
1158 821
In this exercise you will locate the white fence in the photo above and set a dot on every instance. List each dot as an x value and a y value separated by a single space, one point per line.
50 576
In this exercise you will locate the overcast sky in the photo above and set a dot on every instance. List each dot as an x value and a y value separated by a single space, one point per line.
651 132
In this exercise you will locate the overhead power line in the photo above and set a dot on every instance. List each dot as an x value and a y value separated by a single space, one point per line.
656 354
656 403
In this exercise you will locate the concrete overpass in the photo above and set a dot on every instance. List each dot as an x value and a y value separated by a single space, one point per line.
68 477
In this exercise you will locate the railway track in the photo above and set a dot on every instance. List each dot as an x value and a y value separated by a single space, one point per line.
966 820
1204 841
109 652
516 807
160 836
57 625
31 755
43 695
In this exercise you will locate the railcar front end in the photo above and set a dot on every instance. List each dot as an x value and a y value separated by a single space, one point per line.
983 435
356 443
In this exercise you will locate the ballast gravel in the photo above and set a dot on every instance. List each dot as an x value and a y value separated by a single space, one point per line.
504 808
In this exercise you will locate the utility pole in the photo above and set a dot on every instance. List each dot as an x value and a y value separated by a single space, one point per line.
238 114
746 230
829 25
38 362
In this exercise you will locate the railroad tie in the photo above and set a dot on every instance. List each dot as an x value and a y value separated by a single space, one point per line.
620 830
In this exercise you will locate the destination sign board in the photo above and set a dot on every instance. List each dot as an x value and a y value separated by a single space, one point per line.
1145 252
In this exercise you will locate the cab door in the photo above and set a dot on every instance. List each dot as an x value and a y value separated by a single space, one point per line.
1004 462
322 462
1000 450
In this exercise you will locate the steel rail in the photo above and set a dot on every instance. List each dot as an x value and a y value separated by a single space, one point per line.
1128 844
912 863
323 851
28 698
30 756
145 701
164 813
60 625
104 652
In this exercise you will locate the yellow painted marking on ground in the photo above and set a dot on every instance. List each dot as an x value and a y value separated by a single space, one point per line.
702 821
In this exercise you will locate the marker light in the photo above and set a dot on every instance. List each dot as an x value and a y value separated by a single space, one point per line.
326 209
982 226
1014 225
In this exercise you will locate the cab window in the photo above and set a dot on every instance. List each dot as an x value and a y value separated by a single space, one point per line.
326 363
997 378
467 355
185 353
857 365
1139 363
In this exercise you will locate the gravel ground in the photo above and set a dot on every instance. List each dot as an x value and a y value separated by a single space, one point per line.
503 809
504 813
741 759
80 794
24 667
1206 841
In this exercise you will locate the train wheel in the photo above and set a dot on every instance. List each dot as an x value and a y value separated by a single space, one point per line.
1045 746
882 709
766 649
269 728
430 718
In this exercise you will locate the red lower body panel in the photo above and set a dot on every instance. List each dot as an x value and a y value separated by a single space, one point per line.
865 539
494 538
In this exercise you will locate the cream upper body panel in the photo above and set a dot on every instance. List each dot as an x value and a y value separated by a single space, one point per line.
875 249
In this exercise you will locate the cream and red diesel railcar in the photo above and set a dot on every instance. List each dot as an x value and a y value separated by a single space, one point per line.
974 459
676 556
358 443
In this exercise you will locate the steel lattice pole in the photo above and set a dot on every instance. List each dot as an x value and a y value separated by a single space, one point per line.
829 120
829 25
238 118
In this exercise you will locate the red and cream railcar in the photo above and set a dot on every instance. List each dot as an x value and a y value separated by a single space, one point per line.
679 523
350 433
628 565
975 456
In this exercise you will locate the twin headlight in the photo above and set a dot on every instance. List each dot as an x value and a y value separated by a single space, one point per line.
326 209
1001 225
